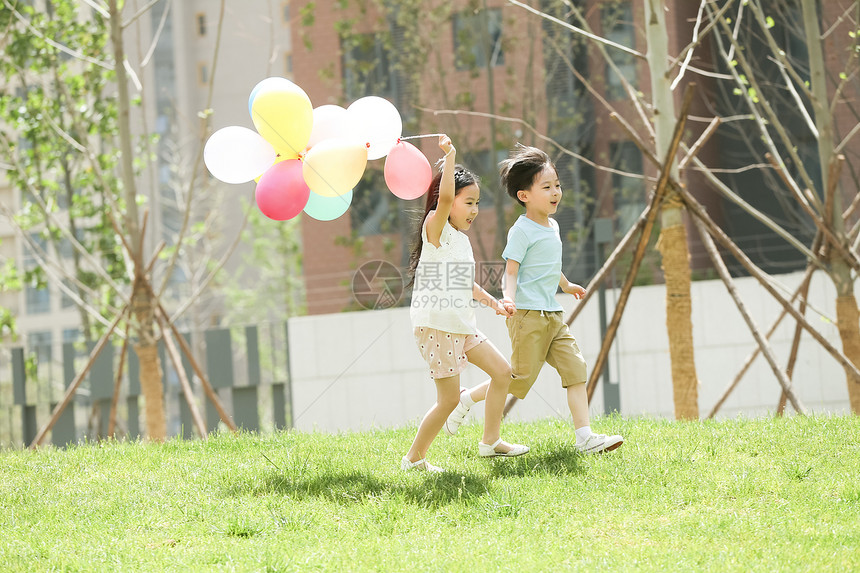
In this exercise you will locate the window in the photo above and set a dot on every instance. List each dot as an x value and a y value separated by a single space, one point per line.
201 24
38 300
366 67
618 27
202 74
285 13
478 39
628 193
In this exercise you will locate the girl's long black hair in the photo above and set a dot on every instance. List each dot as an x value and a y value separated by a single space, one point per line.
462 178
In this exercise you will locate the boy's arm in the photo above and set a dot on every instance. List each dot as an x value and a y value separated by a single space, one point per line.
571 288
509 289
489 300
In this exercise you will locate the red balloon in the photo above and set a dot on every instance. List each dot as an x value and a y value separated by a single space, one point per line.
282 192
407 171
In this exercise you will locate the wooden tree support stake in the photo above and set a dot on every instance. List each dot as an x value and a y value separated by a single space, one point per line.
73 387
751 358
659 192
116 386
717 260
183 379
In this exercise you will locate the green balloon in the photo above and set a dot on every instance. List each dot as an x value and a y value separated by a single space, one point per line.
324 208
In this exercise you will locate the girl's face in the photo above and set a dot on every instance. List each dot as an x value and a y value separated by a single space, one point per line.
544 195
465 207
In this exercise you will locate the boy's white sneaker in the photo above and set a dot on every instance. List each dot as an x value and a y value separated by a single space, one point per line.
457 417
420 465
599 443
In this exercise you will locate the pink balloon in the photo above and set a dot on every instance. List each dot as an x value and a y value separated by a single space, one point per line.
282 192
407 171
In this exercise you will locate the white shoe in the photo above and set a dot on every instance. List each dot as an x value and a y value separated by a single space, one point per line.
457 417
599 443
421 464
489 451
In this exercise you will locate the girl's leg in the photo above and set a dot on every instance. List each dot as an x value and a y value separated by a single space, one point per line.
447 395
488 358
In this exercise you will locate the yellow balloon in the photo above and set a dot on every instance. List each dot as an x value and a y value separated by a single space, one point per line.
284 116
334 166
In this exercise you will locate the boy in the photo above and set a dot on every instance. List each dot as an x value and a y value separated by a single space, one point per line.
532 275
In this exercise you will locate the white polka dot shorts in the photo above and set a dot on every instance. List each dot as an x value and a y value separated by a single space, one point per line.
445 352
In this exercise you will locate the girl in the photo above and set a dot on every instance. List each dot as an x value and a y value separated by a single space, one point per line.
443 311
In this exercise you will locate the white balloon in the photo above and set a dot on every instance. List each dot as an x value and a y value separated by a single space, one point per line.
331 121
377 123
237 154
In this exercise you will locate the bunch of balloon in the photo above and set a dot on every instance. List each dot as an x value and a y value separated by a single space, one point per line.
309 160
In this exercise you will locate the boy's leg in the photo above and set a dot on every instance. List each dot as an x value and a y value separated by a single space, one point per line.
447 395
565 356
577 401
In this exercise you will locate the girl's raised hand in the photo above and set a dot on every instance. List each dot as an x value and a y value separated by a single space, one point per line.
445 144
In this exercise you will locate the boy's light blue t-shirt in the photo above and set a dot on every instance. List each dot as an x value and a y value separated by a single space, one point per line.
538 251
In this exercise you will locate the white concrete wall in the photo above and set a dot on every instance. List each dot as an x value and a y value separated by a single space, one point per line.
362 370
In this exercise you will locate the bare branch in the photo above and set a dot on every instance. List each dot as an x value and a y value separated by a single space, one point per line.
734 34
52 220
204 130
772 117
193 297
573 28
48 264
810 123
703 139
157 34
141 12
778 52
852 6
100 9
537 134
687 52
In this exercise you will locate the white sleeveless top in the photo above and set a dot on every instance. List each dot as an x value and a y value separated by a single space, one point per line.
442 292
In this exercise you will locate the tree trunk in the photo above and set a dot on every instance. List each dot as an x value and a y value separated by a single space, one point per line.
848 322
679 326
840 271
673 237
150 366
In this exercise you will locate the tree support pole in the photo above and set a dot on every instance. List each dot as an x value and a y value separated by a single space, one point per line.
183 379
717 260
115 399
207 387
659 192
70 391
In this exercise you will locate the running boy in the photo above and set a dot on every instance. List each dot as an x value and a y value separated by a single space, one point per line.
532 276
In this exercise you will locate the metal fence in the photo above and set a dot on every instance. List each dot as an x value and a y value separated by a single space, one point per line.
248 367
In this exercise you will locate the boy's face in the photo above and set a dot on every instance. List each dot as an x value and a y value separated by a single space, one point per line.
543 197
465 207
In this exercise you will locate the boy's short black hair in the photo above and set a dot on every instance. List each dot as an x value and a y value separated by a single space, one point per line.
521 168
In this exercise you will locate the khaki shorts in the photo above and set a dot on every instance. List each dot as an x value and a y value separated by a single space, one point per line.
445 352
538 337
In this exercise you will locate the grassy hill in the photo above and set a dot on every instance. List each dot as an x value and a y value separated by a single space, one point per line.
763 495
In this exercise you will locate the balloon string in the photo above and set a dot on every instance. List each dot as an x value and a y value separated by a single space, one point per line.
425 135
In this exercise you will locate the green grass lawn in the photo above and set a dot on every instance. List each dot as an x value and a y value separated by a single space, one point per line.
764 494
